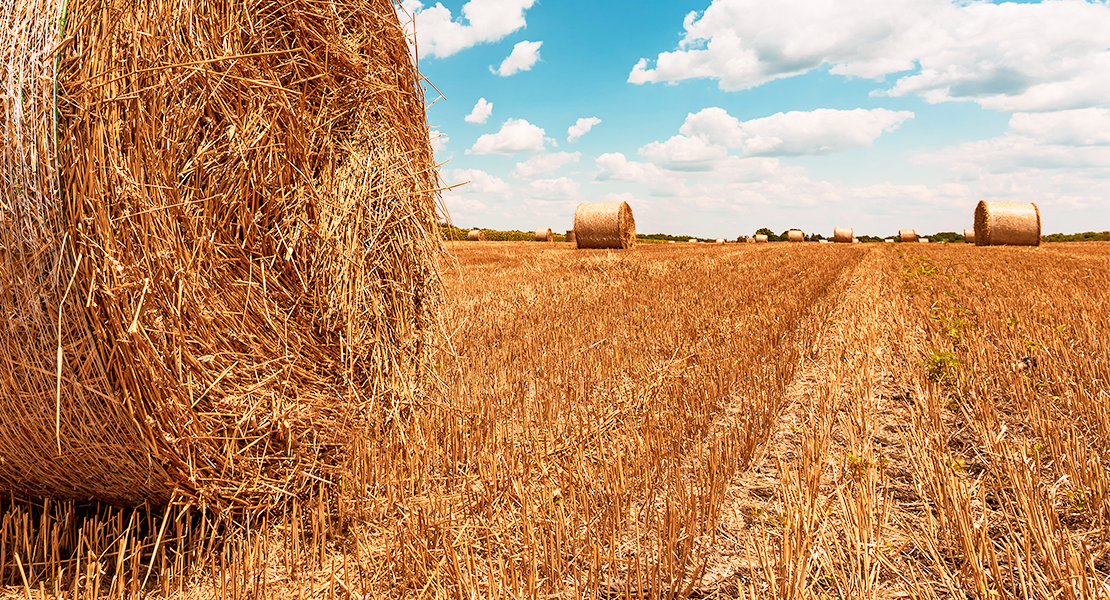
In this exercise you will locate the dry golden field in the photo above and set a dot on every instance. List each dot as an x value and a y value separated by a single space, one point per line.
707 421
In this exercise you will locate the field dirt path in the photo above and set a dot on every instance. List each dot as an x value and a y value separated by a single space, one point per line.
821 510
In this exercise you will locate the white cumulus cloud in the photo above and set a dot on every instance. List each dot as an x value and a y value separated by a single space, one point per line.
515 136
480 182
1009 57
543 164
440 34
580 128
707 135
439 141
524 55
1072 142
1080 127
683 153
551 189
481 111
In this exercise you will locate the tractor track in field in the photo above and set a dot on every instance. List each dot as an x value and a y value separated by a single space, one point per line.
837 440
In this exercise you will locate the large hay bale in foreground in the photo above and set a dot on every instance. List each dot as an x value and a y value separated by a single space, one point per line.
843 235
969 236
1000 223
545 235
795 235
219 246
476 235
604 225
907 235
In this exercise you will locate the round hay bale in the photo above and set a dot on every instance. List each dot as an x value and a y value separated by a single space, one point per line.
720 240
750 240
923 240
221 248
760 238
822 241
889 240
670 241
605 225
692 241
907 235
842 235
969 236
476 235
1007 224
795 235
855 240
545 235
571 239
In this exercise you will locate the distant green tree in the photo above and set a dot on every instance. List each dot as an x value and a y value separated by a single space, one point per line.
771 237
947 236
1088 236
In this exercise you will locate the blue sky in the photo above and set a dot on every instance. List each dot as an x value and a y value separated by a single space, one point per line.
717 117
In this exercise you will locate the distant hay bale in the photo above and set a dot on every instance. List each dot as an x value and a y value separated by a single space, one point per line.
923 240
969 236
570 237
842 235
545 235
476 235
220 248
822 241
760 238
750 240
692 240
1007 224
605 225
889 240
855 240
795 235
670 241
720 240
907 235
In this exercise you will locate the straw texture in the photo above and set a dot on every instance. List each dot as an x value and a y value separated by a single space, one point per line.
571 239
544 235
907 235
843 235
969 236
1007 224
476 235
761 237
219 246
604 225
795 235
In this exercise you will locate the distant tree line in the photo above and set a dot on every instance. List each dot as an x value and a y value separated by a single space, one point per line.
451 232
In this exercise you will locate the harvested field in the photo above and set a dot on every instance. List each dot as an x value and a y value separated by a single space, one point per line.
861 421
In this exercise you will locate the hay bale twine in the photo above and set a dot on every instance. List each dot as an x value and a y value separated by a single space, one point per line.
476 235
795 235
544 235
605 225
1000 223
969 236
186 214
570 237
843 235
760 238
907 235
